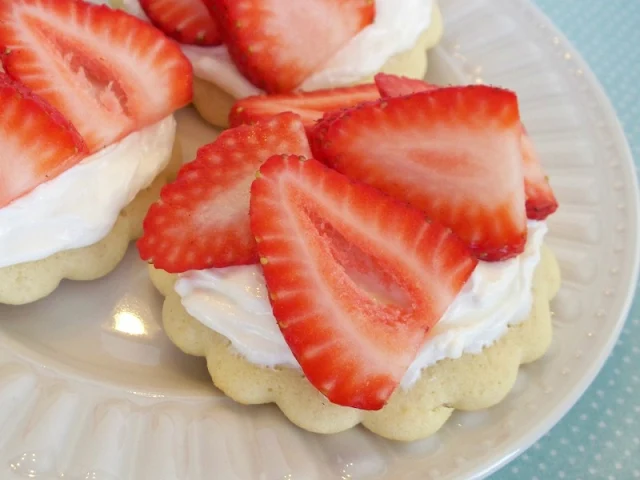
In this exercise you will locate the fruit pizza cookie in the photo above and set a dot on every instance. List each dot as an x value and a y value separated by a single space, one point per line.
247 48
86 138
382 265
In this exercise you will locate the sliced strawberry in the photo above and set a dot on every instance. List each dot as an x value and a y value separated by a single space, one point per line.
202 219
317 134
356 279
386 85
187 21
309 105
276 44
396 86
36 142
452 152
106 71
541 201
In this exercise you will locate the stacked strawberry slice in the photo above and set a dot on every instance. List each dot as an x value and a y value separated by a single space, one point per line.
365 246
311 106
186 21
349 132
86 76
36 141
541 201
276 44
201 220
454 153
356 278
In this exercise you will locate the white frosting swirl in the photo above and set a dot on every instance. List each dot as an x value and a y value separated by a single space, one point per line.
80 206
234 302
395 29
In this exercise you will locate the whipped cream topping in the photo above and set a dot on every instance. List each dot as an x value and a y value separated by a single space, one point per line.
235 303
80 206
395 29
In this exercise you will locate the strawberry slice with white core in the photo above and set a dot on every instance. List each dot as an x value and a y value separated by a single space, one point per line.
187 21
202 219
108 72
540 199
309 105
356 279
277 44
396 86
36 142
454 153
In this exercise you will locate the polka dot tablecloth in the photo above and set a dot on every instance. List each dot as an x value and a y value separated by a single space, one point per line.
600 437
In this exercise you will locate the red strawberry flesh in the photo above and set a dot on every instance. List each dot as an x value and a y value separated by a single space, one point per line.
187 21
36 142
356 279
454 153
277 44
107 72
309 105
202 219
540 199
396 86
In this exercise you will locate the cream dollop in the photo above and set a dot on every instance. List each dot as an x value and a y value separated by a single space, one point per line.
80 206
234 302
395 29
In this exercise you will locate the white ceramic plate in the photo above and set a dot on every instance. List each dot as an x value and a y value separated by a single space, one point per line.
91 389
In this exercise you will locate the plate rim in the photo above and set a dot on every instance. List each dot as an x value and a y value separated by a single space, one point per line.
496 462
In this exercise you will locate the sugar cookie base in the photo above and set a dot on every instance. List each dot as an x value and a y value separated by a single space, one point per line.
214 104
471 382
27 282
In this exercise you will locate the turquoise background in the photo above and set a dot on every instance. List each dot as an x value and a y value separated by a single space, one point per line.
600 437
